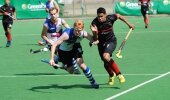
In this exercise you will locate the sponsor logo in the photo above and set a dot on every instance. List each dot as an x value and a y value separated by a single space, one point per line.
129 4
33 7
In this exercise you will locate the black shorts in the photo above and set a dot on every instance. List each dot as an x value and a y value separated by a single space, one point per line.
107 47
7 25
66 57
144 9
78 51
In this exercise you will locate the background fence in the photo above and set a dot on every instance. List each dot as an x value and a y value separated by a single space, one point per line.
80 8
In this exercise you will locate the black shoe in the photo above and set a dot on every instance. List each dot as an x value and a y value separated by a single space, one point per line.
76 71
8 44
94 85
146 26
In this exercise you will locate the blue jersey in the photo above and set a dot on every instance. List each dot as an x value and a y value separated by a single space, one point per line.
68 44
49 4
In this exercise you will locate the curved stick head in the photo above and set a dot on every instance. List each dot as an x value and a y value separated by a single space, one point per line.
118 55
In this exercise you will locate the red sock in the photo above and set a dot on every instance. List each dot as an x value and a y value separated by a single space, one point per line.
146 21
8 35
109 71
114 66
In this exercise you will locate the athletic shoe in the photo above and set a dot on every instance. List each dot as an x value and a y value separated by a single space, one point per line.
94 85
111 80
8 44
76 71
121 78
146 26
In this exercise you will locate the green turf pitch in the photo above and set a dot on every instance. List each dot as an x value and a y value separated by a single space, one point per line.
145 56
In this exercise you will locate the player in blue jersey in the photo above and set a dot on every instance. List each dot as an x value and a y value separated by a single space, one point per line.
67 52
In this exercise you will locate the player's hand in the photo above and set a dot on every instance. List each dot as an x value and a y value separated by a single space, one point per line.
131 26
93 43
52 63
5 13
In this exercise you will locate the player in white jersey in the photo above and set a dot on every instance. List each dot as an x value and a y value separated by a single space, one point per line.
52 28
50 4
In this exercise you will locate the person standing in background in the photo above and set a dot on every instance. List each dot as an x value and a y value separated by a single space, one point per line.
145 10
9 14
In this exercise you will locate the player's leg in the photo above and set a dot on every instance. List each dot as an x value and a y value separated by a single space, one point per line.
146 16
108 50
145 11
7 28
66 57
106 65
86 70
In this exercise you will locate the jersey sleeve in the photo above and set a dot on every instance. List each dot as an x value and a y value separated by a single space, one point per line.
46 23
113 17
62 21
94 22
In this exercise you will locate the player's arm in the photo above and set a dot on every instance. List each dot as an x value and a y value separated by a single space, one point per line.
62 38
56 6
89 37
64 23
14 16
94 30
44 34
125 21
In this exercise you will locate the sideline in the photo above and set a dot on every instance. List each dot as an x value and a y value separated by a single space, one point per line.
137 86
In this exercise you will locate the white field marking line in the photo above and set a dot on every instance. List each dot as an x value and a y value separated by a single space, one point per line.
69 75
137 86
38 34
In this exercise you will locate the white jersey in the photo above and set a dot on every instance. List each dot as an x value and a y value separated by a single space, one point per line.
54 30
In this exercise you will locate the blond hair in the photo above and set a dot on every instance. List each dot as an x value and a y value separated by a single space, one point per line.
79 24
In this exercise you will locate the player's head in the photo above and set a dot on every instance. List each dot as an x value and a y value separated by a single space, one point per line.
101 14
53 12
7 1
78 27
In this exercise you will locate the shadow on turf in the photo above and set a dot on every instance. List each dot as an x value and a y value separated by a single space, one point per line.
39 74
56 86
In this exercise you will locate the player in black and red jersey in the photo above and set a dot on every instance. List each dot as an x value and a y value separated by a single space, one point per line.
107 41
145 10
8 13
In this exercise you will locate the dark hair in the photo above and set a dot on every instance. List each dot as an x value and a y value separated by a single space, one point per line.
101 10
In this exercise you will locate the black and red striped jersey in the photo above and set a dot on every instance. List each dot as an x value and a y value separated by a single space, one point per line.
105 29
10 10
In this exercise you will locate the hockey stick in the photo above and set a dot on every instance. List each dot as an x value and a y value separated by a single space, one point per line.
7 14
39 50
118 54
55 67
